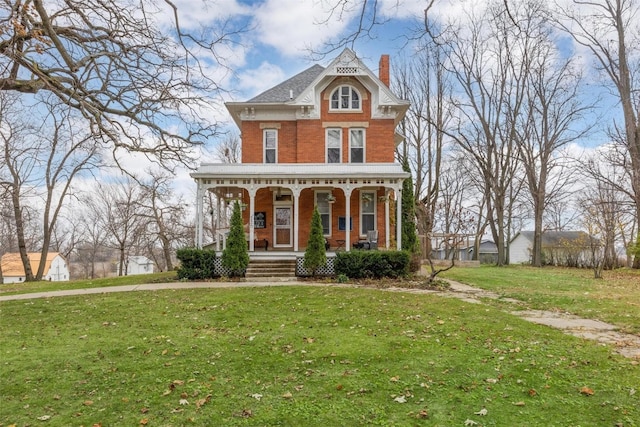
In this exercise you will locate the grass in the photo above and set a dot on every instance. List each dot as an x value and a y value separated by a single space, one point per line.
45 286
300 355
614 299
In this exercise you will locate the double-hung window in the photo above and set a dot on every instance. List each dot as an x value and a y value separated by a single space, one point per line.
334 144
324 209
356 146
270 145
367 211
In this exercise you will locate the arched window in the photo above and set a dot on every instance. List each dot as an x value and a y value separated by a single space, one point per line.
345 98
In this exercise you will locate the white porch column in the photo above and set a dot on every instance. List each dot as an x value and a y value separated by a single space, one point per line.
399 218
199 215
387 222
296 216
218 223
347 220
252 208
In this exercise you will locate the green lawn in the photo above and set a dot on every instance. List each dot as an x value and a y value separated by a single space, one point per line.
45 286
614 299
299 356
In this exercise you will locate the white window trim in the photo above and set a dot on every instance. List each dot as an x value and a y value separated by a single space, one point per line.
328 193
351 90
326 143
264 144
364 144
375 209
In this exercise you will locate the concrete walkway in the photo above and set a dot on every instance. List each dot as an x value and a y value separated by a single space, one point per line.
627 345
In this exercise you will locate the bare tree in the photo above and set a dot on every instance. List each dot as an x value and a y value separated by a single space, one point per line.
42 163
117 203
552 118
94 235
129 68
487 59
164 215
422 82
609 29
229 149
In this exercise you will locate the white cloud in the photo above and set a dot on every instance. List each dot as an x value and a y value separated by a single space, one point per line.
257 80
293 26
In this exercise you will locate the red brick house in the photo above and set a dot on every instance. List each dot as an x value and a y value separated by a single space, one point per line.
325 137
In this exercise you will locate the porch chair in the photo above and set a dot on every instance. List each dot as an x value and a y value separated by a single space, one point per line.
372 240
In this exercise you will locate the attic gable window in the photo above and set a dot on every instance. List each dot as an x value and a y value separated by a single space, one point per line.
345 98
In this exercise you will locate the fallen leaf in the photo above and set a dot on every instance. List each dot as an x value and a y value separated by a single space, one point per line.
339 387
256 396
491 380
87 402
519 404
532 392
287 395
144 410
586 391
422 414
469 422
394 379
201 402
144 421
400 399
482 412
184 402
44 418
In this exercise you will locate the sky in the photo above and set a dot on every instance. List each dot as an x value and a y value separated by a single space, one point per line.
282 35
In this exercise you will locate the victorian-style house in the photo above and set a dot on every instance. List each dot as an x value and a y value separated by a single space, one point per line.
326 137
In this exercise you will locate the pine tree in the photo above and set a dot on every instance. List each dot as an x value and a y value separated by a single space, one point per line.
315 256
235 256
409 236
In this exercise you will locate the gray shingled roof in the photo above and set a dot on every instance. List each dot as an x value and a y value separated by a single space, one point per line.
297 83
558 238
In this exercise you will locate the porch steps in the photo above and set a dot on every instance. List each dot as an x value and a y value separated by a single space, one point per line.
271 268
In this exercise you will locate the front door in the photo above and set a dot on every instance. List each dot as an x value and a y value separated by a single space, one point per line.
282 230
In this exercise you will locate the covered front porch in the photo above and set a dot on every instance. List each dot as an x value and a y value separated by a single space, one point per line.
278 202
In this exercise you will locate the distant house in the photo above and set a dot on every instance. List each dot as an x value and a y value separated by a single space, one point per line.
465 247
566 248
139 265
487 252
56 268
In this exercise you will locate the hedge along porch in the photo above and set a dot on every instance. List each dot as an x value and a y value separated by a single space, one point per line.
280 199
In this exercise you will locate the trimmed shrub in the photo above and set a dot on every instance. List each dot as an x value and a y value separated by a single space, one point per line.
372 264
315 256
196 264
235 256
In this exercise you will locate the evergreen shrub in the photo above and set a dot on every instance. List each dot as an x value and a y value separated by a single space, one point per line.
196 264
359 264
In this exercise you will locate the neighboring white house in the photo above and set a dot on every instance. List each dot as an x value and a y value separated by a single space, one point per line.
139 265
55 269
568 248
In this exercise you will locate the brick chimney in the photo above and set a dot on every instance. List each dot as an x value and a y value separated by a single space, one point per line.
384 69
